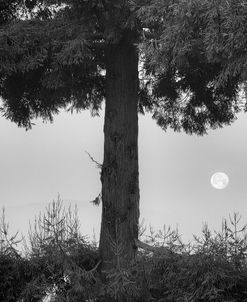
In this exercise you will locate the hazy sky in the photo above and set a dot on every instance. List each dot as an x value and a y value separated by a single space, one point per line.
175 171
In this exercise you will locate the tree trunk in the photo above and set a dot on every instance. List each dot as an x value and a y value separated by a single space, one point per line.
120 174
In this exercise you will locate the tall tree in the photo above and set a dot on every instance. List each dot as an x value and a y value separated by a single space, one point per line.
78 53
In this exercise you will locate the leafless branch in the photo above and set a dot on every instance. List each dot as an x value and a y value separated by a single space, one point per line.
99 166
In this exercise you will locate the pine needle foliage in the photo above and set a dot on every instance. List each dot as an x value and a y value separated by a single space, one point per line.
193 55
60 257
195 60
14 269
62 264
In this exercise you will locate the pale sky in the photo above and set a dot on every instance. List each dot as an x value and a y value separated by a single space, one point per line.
175 171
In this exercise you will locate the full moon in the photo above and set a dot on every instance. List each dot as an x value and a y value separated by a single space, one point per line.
219 180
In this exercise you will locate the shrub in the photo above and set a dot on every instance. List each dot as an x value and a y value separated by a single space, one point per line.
14 269
61 262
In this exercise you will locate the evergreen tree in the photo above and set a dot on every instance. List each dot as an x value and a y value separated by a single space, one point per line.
79 53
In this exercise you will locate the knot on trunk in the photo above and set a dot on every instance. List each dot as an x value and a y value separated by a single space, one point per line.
132 152
116 138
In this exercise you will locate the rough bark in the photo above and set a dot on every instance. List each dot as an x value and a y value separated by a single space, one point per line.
120 174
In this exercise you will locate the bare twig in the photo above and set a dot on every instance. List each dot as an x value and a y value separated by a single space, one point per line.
99 166
95 267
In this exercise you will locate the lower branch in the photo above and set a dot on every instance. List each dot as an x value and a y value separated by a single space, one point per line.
154 249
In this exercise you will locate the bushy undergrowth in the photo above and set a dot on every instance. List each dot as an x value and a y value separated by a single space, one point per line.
60 261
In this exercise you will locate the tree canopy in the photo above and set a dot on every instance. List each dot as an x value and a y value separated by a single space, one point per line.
193 55
197 54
